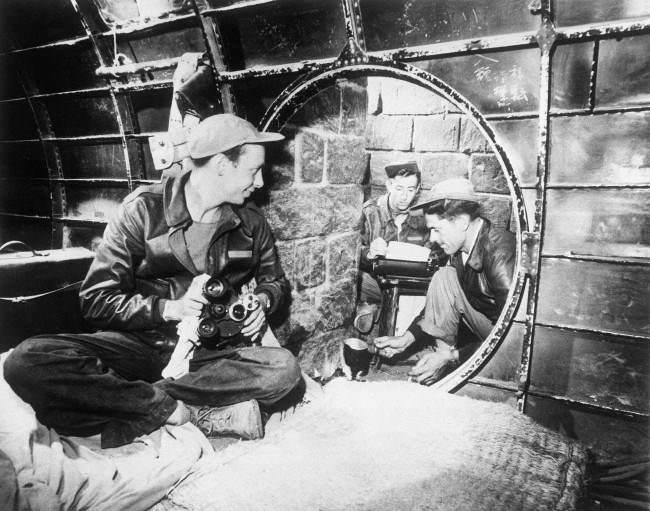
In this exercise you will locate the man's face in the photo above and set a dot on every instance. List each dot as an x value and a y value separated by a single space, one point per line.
449 233
401 192
243 176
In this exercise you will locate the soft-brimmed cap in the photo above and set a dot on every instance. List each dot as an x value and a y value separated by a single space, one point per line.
453 189
393 168
218 133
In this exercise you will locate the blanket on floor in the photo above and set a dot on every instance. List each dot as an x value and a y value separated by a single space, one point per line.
43 471
391 445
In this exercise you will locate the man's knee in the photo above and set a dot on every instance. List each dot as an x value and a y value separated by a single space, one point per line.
18 367
445 274
287 372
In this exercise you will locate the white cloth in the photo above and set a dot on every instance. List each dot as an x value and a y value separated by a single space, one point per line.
54 472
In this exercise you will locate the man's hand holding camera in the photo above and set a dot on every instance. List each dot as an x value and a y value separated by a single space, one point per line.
190 304
254 324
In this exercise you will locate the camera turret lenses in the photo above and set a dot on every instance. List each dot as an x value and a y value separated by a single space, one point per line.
218 310
208 328
237 311
214 288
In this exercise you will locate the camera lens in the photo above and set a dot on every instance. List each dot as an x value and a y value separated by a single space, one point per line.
218 310
208 328
214 288
237 311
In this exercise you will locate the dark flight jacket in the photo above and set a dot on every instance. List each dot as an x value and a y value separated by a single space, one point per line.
143 259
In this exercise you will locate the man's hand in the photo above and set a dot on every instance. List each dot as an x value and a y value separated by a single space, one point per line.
433 366
190 304
388 346
254 323
377 248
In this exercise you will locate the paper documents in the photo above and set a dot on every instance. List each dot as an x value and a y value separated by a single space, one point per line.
407 252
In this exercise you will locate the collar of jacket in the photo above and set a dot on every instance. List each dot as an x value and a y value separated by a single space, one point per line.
475 260
386 214
176 212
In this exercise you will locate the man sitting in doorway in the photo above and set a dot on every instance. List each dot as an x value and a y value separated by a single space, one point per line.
146 277
387 218
472 287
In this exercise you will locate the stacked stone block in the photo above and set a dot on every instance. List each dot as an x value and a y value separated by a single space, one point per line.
407 122
314 211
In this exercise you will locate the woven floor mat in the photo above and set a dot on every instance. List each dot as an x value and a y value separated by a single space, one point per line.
391 445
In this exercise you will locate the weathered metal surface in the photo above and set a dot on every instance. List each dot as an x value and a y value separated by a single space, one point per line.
545 41
572 69
94 203
530 254
488 392
41 22
603 222
213 40
593 74
62 68
79 116
289 31
150 110
594 369
608 435
571 12
604 30
26 161
608 149
137 67
457 48
92 161
503 366
116 107
390 24
623 79
517 137
357 23
596 295
12 198
62 43
498 82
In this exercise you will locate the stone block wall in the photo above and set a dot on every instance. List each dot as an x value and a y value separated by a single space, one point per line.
314 209
337 146
407 122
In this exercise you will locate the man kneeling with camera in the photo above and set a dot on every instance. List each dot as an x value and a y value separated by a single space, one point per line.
149 276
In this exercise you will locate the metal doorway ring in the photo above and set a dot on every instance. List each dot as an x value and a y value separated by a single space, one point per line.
299 92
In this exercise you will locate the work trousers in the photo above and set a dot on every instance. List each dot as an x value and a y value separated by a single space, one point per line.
369 291
110 382
446 305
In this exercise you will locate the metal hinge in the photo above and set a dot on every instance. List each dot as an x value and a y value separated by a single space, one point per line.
530 249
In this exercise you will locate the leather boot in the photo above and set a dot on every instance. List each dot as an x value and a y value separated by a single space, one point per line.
241 419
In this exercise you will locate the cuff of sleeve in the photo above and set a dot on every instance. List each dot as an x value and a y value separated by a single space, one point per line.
160 309
271 300
419 334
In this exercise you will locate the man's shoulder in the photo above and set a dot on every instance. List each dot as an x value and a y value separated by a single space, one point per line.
501 240
145 192
371 204
250 213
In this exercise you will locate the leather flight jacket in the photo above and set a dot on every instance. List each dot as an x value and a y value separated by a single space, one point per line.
487 275
485 278
143 259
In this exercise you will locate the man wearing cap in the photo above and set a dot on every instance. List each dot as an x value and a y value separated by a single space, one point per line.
145 278
387 218
472 287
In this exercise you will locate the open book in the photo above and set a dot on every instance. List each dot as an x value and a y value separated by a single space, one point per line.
407 252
